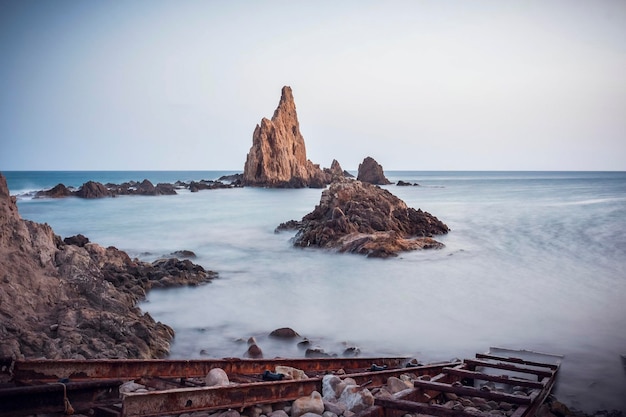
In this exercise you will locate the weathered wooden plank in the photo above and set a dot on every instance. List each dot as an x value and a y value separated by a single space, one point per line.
422 408
472 363
471 391
516 360
504 379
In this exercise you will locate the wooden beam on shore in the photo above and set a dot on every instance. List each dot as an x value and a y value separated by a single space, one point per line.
471 391
426 409
517 360
473 363
503 379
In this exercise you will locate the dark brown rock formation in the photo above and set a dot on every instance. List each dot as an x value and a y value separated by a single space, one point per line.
58 191
358 217
335 171
92 189
277 157
372 172
77 299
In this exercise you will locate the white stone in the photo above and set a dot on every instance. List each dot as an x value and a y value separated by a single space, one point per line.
356 398
291 373
216 378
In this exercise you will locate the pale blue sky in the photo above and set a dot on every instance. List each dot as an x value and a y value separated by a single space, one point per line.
422 85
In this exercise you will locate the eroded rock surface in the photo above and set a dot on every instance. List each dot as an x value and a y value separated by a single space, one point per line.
354 216
372 172
277 157
77 299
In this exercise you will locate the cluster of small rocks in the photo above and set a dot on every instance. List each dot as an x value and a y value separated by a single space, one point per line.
475 405
254 350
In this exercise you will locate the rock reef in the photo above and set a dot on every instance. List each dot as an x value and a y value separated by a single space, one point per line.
94 189
358 217
277 157
77 299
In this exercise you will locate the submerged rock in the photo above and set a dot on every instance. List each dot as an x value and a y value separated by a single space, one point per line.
358 217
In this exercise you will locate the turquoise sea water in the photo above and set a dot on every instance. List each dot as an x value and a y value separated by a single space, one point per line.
535 260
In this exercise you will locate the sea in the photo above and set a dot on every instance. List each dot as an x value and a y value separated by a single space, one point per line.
534 261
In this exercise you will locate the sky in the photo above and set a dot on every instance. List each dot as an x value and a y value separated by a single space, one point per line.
417 85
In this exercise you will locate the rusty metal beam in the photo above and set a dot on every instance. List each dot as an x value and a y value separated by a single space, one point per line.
184 400
28 370
51 398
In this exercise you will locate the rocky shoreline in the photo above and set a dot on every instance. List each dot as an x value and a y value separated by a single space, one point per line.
70 298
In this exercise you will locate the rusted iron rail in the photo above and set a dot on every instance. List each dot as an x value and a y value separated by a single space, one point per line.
57 397
52 370
184 400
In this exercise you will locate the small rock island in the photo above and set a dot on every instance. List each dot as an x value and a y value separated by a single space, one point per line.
358 217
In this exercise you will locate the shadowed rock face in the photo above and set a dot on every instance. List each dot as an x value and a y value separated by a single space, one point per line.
77 299
277 157
372 172
358 217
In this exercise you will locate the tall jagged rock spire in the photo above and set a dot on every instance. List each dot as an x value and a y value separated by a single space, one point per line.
277 157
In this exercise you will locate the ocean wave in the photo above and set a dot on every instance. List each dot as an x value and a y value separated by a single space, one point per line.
588 202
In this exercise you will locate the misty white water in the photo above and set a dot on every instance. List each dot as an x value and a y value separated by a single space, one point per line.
535 260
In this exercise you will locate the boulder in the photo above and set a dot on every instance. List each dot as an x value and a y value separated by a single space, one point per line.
356 399
277 157
93 189
396 385
309 404
358 217
290 372
285 333
372 172
254 351
58 191
331 387
216 377
78 240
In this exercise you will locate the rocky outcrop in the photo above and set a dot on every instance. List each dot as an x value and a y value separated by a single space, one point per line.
94 189
354 216
76 299
372 172
277 157
335 171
